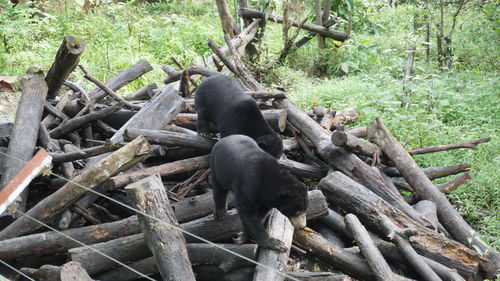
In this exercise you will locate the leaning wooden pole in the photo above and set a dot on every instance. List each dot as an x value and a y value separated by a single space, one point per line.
157 220
451 219
24 134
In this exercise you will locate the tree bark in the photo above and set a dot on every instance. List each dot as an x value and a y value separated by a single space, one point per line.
279 227
227 22
334 34
423 186
450 185
65 62
470 144
172 139
355 144
55 203
165 242
23 137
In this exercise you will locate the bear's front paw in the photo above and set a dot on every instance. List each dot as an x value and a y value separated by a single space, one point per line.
205 135
220 215
274 244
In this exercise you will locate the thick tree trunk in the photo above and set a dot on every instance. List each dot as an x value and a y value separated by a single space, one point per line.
55 203
165 242
423 186
227 22
24 135
66 60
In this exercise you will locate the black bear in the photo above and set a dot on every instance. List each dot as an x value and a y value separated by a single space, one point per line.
220 100
259 184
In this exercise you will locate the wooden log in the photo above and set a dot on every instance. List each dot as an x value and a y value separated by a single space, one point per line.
157 222
122 79
199 254
429 210
359 132
55 203
78 122
302 170
65 62
470 144
275 118
345 161
342 117
144 93
227 22
67 272
318 276
399 236
54 111
355 198
280 228
85 153
266 94
374 258
210 272
168 169
433 172
423 186
388 250
355 144
334 34
243 72
455 182
333 255
23 137
174 75
171 138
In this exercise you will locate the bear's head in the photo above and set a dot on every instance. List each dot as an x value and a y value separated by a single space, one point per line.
271 144
292 201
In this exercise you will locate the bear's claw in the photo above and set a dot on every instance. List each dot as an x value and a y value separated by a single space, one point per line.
274 244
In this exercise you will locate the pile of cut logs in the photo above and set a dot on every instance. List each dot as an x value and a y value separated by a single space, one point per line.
127 196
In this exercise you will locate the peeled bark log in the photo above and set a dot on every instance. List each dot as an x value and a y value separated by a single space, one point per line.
67 272
423 186
55 203
66 60
334 34
353 197
24 135
279 227
165 242
359 132
429 210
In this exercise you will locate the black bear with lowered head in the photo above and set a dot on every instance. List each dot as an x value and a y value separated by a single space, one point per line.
220 100
259 184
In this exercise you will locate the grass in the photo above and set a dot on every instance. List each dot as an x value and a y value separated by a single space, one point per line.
364 73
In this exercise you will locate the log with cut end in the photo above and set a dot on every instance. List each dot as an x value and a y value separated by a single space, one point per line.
341 117
24 135
429 210
302 170
199 254
159 225
123 78
334 34
171 138
345 161
455 182
355 198
65 62
359 146
279 227
374 258
448 216
132 153
67 272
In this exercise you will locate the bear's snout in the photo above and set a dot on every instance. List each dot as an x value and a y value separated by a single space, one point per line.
299 221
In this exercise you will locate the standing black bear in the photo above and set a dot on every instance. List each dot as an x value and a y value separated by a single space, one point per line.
220 100
259 184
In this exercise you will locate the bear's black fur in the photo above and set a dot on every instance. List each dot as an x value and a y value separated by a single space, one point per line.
220 100
259 184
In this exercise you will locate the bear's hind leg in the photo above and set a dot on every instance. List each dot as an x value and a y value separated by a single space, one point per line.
203 125
253 226
220 199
